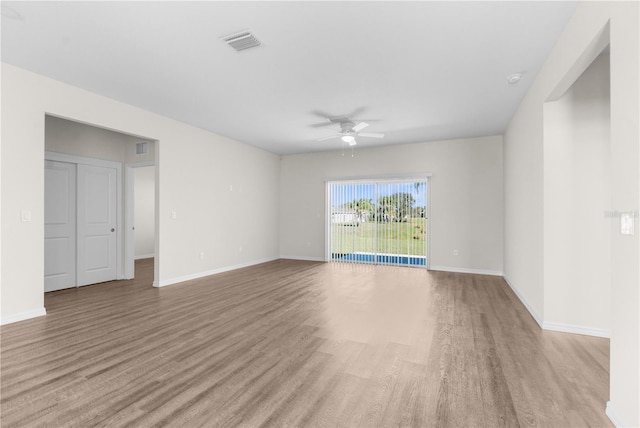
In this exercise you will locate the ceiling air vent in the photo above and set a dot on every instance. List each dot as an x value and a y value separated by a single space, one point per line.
241 41
141 148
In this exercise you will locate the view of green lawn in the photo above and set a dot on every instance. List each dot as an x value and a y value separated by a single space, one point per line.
392 237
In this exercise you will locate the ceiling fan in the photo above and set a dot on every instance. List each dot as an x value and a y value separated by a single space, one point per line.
349 130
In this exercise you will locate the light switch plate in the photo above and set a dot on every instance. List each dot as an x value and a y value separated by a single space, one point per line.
627 225
25 215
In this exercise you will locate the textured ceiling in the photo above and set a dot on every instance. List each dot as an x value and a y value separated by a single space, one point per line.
418 71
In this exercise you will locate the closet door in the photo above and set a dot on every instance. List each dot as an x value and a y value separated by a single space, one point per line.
59 225
97 211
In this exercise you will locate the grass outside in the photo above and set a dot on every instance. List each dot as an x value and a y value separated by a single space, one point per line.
392 238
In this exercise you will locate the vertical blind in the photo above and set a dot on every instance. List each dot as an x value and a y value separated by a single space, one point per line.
380 222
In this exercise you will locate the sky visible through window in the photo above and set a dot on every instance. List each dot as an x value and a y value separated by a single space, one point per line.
345 193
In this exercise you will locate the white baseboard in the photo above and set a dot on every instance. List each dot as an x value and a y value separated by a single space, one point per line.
23 316
189 277
576 329
613 415
307 259
466 270
533 313
145 256
556 326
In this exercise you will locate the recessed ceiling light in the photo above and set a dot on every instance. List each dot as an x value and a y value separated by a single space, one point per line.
514 78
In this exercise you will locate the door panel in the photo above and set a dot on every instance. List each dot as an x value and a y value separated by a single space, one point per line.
97 211
97 252
59 226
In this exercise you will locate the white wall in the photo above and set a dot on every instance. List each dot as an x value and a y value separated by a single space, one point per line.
195 169
73 138
145 216
466 197
618 22
577 198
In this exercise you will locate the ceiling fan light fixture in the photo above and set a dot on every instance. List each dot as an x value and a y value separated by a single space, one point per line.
349 139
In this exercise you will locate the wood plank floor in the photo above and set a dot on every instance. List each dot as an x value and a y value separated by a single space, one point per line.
296 344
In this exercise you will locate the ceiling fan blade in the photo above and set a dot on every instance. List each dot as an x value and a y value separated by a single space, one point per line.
370 134
320 125
357 111
321 114
360 126
328 138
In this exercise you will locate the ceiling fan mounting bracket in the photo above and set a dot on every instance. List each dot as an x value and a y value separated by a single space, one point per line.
339 119
347 127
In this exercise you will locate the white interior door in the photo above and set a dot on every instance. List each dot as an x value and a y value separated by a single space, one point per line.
59 225
97 219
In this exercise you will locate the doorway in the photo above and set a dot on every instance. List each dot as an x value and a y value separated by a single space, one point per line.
140 213
378 221
577 204
79 151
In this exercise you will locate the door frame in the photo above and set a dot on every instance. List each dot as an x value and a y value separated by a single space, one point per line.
426 177
63 157
129 213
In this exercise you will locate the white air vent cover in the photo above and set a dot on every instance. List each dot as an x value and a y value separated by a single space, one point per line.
141 148
241 41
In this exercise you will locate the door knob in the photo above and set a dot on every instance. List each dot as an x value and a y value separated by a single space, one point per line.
113 229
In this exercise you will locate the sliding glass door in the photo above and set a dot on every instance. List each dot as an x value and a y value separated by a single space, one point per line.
378 221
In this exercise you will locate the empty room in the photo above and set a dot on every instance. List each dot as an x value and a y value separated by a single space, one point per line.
337 214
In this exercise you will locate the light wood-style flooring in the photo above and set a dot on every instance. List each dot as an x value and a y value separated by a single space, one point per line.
297 344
